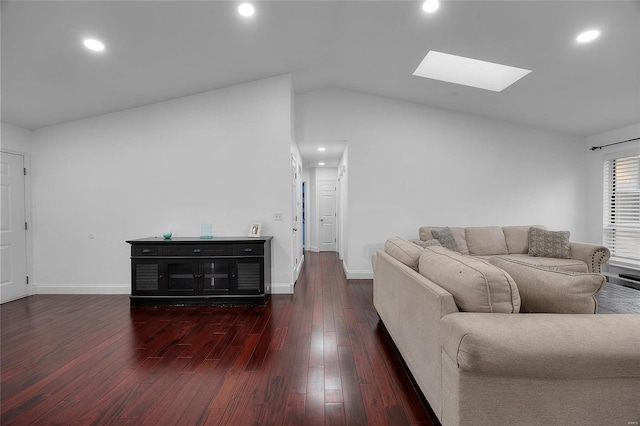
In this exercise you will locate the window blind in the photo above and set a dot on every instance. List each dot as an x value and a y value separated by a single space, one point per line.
621 227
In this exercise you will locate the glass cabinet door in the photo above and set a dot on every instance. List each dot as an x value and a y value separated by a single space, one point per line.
181 277
216 275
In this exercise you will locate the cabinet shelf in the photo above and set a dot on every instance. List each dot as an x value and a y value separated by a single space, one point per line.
191 271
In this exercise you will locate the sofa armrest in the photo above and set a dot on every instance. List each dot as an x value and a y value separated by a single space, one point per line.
543 345
592 254
411 307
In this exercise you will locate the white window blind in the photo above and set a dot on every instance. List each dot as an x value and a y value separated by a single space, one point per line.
621 227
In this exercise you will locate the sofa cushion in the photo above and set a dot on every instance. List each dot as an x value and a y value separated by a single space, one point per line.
543 243
575 265
476 285
403 251
551 290
445 238
428 243
458 234
485 240
517 238
550 345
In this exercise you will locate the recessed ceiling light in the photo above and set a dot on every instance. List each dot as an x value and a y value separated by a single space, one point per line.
588 36
246 10
468 72
430 6
320 164
322 149
92 44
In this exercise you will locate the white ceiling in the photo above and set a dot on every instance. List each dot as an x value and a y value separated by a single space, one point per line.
159 50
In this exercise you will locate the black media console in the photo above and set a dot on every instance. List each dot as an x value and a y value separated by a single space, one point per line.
194 271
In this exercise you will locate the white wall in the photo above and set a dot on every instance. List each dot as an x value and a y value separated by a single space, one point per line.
15 139
412 165
595 162
220 157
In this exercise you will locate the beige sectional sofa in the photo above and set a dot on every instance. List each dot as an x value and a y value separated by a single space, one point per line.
456 321
512 241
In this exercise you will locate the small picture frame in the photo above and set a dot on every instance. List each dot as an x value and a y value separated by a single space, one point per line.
254 230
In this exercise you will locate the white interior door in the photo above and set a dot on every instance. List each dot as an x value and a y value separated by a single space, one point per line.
13 238
327 215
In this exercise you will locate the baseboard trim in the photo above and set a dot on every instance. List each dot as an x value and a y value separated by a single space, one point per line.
281 288
358 275
82 289
296 273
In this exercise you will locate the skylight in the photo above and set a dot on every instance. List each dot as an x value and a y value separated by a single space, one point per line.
468 72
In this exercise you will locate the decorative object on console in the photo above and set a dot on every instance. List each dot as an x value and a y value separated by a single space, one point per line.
254 230
206 232
167 235
543 243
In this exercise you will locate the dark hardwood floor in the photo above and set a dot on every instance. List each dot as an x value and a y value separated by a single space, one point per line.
617 299
316 357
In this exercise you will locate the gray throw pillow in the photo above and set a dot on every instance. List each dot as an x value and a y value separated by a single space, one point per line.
428 243
445 238
543 243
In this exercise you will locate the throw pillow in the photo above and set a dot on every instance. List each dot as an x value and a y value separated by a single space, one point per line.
476 286
551 290
403 251
428 243
543 243
445 238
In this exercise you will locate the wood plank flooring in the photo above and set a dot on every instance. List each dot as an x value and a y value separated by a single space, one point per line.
316 357
618 299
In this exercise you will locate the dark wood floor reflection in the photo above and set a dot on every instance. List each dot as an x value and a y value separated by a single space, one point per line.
315 357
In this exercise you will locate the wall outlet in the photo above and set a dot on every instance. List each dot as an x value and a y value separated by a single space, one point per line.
277 216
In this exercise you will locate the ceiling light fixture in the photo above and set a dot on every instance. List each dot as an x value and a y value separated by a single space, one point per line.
322 149
93 44
588 36
320 164
246 10
468 72
430 6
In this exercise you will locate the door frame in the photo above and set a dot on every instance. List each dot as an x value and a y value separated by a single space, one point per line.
31 287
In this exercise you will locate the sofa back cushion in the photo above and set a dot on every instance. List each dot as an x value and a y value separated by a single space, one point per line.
476 285
403 251
551 290
486 241
517 238
458 235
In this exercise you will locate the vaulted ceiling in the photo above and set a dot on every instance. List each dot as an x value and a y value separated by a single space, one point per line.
159 50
